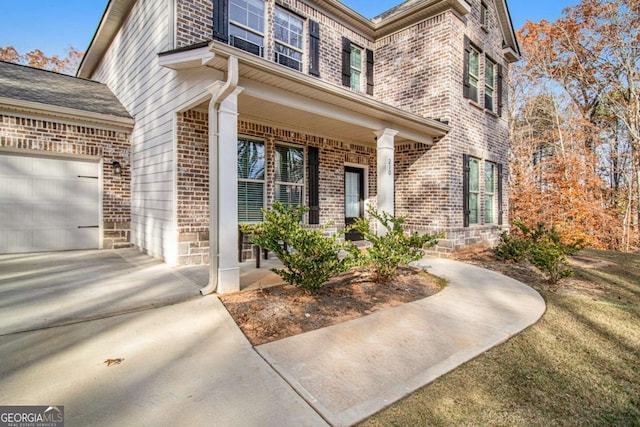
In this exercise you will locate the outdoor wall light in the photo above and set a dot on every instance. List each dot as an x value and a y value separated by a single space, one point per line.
117 168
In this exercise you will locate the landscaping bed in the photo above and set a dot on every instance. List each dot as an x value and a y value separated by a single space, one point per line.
278 312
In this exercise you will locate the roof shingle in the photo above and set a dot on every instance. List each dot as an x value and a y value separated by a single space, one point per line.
24 83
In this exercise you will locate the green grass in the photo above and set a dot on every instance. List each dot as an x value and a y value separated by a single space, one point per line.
578 366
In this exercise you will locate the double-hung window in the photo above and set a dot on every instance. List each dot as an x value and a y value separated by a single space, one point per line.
246 25
474 190
356 68
489 79
489 192
289 168
474 73
288 33
251 180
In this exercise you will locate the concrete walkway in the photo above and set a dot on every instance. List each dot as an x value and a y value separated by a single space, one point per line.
349 371
189 364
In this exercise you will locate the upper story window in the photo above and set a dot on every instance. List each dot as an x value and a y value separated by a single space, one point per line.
484 15
354 73
489 82
474 73
356 68
246 25
288 33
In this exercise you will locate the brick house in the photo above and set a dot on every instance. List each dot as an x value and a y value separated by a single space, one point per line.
307 102
59 139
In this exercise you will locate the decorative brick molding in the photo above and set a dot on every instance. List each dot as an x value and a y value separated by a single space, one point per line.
48 137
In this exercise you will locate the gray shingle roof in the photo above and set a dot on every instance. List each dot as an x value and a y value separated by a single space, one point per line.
32 84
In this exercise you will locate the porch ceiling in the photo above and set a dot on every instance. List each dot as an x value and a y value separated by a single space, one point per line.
273 94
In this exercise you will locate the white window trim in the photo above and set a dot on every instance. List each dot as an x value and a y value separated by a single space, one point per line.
361 70
261 181
475 76
477 193
490 194
252 30
303 195
303 37
489 63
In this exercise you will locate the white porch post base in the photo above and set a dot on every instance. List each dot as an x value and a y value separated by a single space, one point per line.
386 182
228 268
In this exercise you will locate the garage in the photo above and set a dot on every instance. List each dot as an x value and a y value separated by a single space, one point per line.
48 203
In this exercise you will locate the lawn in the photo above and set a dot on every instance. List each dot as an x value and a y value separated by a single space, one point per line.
578 366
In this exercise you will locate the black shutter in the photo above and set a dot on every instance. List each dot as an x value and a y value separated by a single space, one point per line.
467 51
346 62
499 90
369 72
313 162
499 194
465 189
221 20
314 48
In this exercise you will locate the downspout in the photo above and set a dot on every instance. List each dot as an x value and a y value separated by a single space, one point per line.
218 95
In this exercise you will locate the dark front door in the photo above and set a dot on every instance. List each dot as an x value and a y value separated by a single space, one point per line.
353 199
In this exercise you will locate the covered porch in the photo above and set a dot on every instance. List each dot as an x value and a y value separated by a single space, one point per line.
332 137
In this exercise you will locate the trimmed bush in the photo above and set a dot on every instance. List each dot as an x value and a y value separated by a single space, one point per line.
394 248
310 258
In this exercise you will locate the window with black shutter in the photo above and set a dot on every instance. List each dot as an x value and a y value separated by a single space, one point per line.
314 48
313 162
465 189
500 194
346 62
221 20
499 90
369 72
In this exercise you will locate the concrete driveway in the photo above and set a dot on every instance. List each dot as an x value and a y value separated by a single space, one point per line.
40 290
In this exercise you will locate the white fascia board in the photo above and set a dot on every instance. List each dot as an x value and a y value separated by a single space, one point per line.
10 105
406 129
186 59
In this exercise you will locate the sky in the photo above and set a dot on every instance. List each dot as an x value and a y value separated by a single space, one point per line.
54 25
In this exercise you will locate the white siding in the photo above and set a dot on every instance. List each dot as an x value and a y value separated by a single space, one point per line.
152 95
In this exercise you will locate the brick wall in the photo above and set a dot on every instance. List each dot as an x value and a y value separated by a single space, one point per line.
193 21
418 69
38 136
193 189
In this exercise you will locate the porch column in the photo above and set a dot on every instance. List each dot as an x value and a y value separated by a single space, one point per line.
386 186
227 209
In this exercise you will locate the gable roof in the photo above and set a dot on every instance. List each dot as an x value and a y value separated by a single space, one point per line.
27 84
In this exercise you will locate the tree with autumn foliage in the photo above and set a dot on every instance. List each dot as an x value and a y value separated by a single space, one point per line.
575 124
36 58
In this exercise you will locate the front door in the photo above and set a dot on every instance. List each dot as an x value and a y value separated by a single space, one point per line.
353 199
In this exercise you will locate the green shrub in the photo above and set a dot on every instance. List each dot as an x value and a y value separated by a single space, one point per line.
309 257
542 246
394 248
511 248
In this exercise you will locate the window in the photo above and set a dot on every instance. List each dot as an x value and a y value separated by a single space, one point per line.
356 68
489 79
474 73
484 15
246 25
474 190
288 30
489 192
289 165
353 71
251 180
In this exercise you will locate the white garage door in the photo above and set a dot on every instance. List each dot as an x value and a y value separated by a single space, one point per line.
48 204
